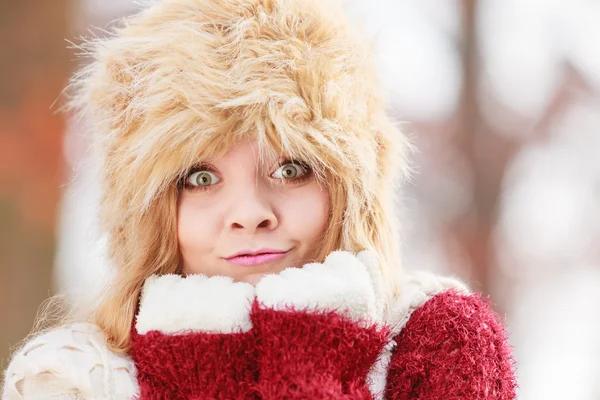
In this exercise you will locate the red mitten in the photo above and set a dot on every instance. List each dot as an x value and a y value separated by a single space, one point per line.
452 347
192 339
318 329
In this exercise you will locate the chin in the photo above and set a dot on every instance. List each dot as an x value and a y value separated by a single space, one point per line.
252 279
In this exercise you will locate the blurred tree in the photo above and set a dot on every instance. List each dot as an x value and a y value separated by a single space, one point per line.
34 65
487 155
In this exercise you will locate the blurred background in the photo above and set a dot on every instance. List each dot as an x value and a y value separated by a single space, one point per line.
501 98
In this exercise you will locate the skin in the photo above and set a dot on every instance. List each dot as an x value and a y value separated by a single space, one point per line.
234 203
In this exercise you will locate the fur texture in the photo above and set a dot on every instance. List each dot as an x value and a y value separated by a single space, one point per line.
195 365
418 288
193 338
184 80
450 346
171 303
319 329
314 355
453 347
343 283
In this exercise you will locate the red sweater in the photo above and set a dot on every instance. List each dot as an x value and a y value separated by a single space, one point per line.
436 341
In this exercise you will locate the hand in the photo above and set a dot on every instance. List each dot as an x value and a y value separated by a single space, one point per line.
193 339
320 328
349 284
171 303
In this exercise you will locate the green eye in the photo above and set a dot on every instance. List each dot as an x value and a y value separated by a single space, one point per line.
202 178
290 170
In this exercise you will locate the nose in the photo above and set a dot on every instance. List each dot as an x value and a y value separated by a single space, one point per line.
251 213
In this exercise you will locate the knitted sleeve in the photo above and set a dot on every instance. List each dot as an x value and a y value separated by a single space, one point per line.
452 347
69 363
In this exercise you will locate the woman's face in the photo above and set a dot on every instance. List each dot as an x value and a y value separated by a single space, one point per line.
239 218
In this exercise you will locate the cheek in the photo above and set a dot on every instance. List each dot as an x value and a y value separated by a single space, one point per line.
307 213
195 227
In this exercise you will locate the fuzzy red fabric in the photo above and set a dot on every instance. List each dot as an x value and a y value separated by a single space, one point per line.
453 347
195 365
309 355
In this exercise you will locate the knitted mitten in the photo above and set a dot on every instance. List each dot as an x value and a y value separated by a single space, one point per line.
318 328
454 346
192 339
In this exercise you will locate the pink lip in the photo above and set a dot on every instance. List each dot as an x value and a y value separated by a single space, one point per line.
248 258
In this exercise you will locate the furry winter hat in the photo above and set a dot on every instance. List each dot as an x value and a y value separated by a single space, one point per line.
183 80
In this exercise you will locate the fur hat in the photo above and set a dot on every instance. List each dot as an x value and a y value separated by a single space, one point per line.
186 79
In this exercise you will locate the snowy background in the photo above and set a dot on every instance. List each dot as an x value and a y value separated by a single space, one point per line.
502 99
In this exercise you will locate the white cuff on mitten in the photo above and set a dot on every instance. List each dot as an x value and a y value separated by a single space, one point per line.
171 303
343 282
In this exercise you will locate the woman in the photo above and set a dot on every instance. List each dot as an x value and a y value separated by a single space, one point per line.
248 200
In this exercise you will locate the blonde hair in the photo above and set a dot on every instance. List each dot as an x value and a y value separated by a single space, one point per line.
184 80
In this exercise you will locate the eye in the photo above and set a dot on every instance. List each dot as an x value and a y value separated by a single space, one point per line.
290 170
202 178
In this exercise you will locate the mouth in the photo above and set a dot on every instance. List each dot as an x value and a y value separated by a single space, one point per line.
247 258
